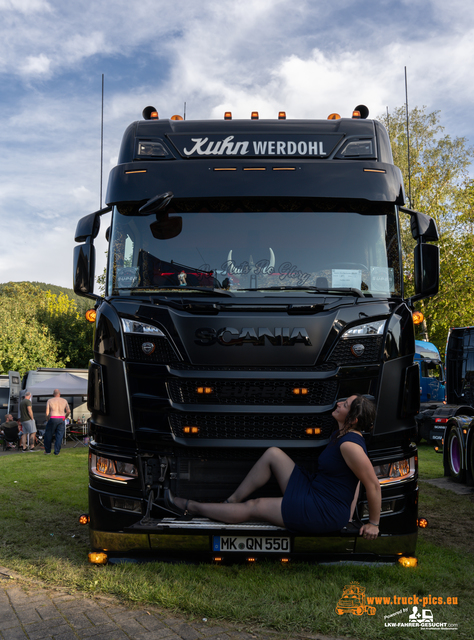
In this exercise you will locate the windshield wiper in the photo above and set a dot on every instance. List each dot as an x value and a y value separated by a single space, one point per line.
175 289
346 290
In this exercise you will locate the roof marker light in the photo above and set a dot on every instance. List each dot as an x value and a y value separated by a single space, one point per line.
228 115
254 115
177 118
362 110
334 116
150 113
282 115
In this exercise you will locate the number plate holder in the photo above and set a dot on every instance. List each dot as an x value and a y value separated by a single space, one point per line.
251 544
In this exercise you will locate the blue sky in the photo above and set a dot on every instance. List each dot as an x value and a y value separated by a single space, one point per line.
309 58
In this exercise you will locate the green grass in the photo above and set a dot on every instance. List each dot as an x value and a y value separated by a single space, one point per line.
430 462
41 498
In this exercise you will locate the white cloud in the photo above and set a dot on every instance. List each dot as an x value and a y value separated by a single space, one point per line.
25 6
35 65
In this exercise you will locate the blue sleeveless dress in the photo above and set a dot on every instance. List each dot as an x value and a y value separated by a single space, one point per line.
321 503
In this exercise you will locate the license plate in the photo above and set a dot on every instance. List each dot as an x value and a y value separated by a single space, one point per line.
251 543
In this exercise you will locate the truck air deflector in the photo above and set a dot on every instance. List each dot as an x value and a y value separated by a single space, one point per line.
320 179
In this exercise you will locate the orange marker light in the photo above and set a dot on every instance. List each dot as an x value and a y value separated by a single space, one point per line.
228 115
356 114
408 562
154 115
96 557
189 429
281 115
84 519
91 315
177 118
418 317
422 523
254 115
334 116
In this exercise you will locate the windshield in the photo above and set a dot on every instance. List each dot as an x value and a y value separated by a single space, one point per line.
240 248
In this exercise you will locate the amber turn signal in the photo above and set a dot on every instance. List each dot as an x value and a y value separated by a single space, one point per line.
98 557
408 562
91 315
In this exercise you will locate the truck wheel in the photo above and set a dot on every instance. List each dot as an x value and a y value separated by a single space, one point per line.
454 447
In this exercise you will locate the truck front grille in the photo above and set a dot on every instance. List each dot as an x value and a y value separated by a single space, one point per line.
161 352
253 392
344 354
224 426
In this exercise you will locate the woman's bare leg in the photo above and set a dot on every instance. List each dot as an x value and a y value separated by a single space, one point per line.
268 509
274 461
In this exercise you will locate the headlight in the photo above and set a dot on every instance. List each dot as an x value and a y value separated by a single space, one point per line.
399 471
113 470
132 326
358 148
151 149
369 329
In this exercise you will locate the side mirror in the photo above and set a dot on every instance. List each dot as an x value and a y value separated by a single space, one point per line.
426 271
158 203
84 269
423 228
88 227
165 227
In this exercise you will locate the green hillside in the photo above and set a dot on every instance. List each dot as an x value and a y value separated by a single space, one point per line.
82 303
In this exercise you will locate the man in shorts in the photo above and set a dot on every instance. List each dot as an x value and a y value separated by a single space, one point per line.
29 425
57 410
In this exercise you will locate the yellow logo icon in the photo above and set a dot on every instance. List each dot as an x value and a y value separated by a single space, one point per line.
353 601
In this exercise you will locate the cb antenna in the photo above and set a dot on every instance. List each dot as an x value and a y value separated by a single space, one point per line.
101 143
412 204
184 111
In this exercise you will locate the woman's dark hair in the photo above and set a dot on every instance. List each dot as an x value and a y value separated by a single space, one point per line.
362 409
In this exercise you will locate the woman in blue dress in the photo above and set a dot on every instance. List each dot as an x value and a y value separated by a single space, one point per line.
311 503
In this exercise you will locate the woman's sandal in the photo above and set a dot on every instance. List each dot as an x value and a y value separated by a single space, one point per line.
180 512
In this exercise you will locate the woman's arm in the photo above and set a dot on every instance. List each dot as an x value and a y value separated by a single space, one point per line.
359 463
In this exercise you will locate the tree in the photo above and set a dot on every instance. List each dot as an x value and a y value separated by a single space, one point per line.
40 329
440 186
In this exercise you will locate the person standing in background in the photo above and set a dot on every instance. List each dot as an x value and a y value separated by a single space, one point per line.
57 410
28 421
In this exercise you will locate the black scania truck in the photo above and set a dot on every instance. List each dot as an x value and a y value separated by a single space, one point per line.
254 278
